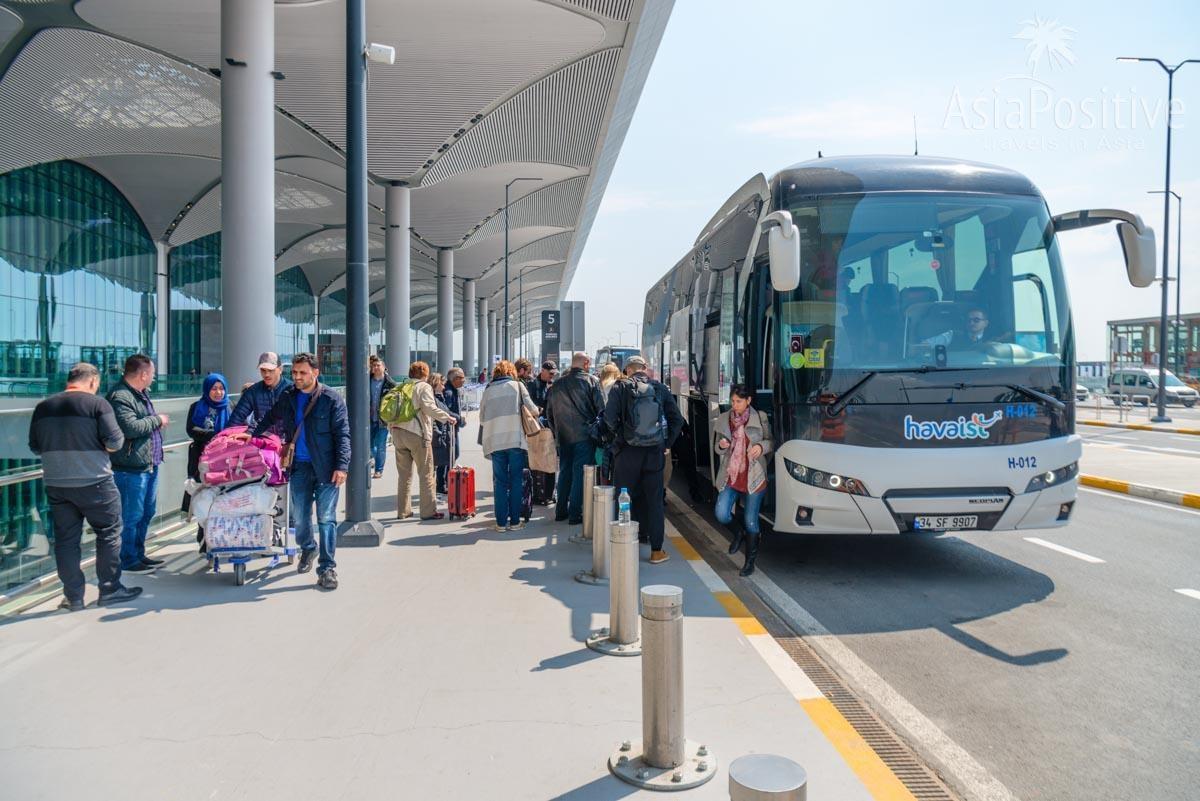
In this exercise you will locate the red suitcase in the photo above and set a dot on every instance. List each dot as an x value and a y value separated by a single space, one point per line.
460 488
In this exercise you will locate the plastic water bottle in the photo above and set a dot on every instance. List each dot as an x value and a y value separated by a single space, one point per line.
623 515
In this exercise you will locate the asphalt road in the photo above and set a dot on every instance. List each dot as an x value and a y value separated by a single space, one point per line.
1068 676
1160 442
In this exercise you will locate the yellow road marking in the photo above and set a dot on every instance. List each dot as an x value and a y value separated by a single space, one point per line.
741 615
1191 499
685 549
876 776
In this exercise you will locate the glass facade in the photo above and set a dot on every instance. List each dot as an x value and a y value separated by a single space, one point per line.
1135 342
76 277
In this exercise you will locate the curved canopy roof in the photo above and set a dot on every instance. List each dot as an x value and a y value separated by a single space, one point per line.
482 91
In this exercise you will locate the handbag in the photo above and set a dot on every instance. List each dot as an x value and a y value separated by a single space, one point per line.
543 452
289 452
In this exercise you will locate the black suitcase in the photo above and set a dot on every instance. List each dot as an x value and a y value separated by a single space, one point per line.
526 494
543 488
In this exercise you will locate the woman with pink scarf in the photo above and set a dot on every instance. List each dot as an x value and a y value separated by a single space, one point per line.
743 440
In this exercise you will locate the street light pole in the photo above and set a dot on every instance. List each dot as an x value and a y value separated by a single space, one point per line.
1179 351
508 186
1161 415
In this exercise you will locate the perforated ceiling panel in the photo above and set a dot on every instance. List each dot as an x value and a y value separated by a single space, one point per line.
613 9
556 120
89 94
297 200
456 58
323 245
158 201
557 205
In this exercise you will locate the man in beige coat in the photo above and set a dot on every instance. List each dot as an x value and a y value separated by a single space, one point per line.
414 446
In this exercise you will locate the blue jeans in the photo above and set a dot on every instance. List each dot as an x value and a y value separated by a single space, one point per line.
305 491
379 435
508 484
571 459
139 497
751 501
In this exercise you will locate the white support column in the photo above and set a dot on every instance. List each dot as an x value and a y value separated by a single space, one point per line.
484 361
445 310
468 329
162 298
248 185
398 275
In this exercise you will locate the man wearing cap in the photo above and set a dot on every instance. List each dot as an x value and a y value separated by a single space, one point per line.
259 398
643 419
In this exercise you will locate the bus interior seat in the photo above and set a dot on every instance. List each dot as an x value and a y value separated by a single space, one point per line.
926 320
912 295
969 297
881 319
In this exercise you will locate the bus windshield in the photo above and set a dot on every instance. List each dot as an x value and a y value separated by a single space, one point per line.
927 281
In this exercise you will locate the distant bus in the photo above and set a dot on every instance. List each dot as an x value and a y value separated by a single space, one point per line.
903 323
615 354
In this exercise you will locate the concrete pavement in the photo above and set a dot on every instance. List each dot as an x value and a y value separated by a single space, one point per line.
450 664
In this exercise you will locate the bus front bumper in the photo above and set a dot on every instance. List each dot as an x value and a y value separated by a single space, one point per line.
953 485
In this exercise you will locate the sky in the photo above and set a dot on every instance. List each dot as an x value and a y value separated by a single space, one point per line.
755 86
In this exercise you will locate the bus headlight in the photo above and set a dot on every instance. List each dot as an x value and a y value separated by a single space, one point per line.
822 479
1053 477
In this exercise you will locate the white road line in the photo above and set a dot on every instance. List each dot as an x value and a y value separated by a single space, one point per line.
1062 549
1190 593
932 743
1130 499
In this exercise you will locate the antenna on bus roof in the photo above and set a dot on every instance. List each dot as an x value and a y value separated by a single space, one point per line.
916 148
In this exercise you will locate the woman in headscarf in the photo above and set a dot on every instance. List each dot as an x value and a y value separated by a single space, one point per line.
206 417
743 440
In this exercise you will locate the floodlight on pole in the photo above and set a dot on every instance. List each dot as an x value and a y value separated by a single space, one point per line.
507 186
1161 412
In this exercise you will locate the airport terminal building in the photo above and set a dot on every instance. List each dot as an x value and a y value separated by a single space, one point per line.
173 182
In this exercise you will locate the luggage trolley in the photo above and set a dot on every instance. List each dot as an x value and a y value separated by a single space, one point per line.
282 545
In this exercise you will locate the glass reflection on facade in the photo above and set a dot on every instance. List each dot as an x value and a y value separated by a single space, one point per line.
76 277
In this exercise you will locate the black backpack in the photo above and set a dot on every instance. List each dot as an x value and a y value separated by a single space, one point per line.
645 424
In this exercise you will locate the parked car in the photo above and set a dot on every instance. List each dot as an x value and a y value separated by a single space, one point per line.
1140 385
1081 393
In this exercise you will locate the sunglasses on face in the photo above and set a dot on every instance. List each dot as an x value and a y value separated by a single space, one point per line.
976 319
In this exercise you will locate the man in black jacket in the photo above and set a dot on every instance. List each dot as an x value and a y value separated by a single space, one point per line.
135 464
259 397
572 404
320 441
644 419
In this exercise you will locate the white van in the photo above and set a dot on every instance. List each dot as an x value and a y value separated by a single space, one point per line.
1140 385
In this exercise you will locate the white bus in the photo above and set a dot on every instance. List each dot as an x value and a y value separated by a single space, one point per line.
904 324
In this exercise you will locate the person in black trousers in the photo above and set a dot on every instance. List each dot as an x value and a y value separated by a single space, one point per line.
74 432
206 418
643 419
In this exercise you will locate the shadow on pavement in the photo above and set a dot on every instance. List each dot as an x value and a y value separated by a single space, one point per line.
865 584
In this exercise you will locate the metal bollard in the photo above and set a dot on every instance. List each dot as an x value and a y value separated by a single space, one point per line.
621 636
601 517
589 481
766 777
663 759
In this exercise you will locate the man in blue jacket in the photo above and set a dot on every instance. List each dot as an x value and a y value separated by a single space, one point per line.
317 429
256 402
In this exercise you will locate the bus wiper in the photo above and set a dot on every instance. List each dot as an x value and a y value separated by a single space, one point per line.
841 401
1037 395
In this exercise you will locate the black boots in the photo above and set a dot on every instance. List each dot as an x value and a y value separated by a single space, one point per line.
739 534
751 554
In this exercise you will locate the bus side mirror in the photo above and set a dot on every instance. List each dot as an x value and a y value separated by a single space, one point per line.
1139 253
1137 239
783 247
